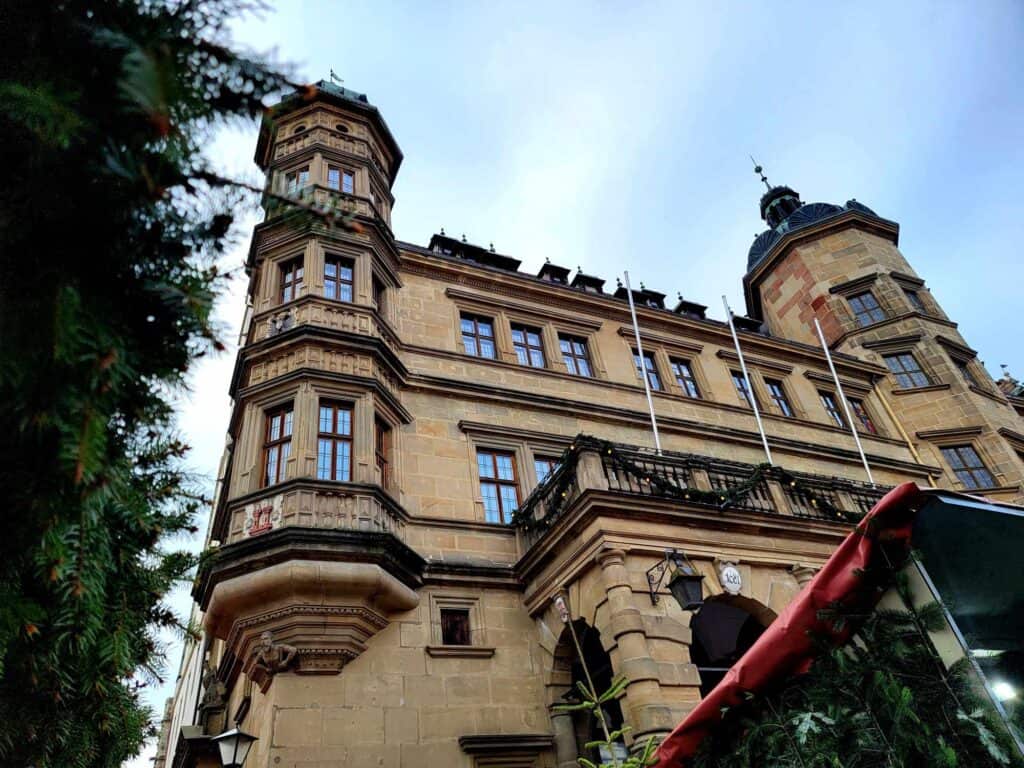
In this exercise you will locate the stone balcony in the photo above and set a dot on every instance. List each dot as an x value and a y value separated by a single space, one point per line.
317 311
697 482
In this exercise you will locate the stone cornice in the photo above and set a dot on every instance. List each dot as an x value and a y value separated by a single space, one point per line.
317 544
670 343
756 362
939 436
539 314
857 283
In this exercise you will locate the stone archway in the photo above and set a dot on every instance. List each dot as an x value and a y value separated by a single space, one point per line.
574 729
723 630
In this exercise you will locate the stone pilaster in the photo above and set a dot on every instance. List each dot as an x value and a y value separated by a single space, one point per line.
642 704
803 574
565 739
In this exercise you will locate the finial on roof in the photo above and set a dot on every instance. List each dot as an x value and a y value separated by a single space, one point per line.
579 268
442 232
680 295
335 78
642 286
463 237
492 247
618 282
547 260
760 172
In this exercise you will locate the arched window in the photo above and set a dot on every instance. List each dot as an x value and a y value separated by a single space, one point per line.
341 128
298 129
722 633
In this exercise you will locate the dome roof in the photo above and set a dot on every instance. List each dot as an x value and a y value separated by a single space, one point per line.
782 210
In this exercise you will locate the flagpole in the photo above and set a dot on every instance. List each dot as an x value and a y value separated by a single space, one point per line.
842 399
750 384
643 365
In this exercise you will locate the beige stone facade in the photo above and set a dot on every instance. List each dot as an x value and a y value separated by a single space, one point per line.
408 610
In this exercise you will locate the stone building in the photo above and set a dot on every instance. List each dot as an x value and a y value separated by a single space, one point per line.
428 445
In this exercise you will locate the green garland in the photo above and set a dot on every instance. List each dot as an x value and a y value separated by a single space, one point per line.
556 489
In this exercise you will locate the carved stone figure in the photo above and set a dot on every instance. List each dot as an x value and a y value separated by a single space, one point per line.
214 691
270 657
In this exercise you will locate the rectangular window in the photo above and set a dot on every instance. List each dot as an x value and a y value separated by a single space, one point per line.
647 365
684 378
778 395
295 181
865 309
341 179
964 367
334 443
905 368
291 279
915 300
338 278
477 336
382 451
832 408
455 626
860 413
742 388
498 485
378 294
277 444
526 342
574 353
968 466
544 466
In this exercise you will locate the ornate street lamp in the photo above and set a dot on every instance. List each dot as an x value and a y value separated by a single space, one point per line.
685 582
234 746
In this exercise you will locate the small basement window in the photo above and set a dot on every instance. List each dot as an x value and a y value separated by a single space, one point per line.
455 626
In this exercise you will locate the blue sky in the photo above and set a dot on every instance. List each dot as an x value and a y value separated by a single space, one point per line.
616 136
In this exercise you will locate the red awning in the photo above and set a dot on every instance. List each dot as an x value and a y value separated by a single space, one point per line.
785 648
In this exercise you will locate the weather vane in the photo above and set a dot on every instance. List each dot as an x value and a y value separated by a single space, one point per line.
335 78
760 172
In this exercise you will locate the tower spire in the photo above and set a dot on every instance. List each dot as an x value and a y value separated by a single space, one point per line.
760 172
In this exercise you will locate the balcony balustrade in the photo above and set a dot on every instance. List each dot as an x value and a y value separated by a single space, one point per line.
692 480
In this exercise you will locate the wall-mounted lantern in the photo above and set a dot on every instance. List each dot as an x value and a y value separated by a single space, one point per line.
685 582
234 746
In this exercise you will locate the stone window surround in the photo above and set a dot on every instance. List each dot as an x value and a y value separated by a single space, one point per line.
663 350
505 314
524 445
318 164
855 391
945 438
478 647
305 398
905 345
313 254
959 354
865 283
758 370
911 283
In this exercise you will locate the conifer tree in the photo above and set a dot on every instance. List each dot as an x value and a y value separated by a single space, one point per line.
110 221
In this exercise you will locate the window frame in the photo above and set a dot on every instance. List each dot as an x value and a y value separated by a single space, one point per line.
746 392
281 445
296 180
504 516
776 390
963 367
463 612
574 356
526 347
476 336
382 450
551 462
344 174
477 630
914 299
907 373
867 312
651 370
291 282
335 438
830 402
860 412
972 471
687 381
339 263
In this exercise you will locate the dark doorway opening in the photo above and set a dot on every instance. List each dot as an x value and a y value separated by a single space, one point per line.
722 633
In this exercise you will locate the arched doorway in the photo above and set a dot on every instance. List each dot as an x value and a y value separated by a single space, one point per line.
599 664
723 630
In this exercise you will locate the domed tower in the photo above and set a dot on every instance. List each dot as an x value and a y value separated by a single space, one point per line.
840 264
